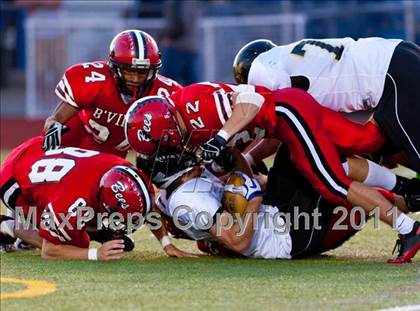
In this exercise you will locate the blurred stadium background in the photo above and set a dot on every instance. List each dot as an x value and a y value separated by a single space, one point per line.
41 38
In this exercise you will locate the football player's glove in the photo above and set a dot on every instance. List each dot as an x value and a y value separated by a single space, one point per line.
249 190
52 139
213 148
225 162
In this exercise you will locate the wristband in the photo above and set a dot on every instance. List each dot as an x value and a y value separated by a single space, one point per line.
165 241
224 135
93 254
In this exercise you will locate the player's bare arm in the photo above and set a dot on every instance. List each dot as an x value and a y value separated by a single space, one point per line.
29 235
162 236
111 250
261 150
234 237
245 107
62 113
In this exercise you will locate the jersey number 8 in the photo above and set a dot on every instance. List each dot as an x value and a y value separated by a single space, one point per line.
54 169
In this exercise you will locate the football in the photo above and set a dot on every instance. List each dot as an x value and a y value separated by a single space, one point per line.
234 202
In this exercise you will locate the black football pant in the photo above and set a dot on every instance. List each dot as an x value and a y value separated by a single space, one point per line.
398 110
293 195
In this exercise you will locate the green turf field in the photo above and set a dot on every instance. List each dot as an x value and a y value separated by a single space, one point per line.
355 276
352 277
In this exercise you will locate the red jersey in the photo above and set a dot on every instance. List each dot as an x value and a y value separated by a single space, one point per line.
314 135
57 182
206 106
99 124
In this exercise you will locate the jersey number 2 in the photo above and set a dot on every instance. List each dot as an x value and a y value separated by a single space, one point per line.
94 76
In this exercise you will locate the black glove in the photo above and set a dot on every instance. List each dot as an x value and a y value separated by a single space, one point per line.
223 163
213 148
52 139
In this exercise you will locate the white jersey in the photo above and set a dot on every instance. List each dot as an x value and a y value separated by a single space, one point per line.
193 207
270 240
342 74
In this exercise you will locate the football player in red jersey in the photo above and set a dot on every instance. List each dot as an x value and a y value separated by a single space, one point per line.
289 115
96 95
68 198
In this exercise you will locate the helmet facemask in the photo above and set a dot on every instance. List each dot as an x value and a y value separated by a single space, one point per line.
172 152
141 76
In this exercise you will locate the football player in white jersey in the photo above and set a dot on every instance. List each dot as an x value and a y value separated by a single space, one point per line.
193 199
346 75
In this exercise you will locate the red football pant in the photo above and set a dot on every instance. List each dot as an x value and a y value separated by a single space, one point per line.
300 127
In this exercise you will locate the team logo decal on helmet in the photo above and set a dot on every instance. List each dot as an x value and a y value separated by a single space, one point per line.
142 134
151 123
125 190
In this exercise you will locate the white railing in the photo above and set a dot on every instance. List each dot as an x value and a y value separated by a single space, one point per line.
53 44
237 31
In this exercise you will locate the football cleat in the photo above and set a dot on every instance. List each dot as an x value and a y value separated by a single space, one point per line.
5 248
6 240
408 245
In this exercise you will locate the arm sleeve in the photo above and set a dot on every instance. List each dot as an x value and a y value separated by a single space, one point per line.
64 91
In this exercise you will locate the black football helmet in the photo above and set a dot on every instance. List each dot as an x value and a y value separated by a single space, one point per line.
245 57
